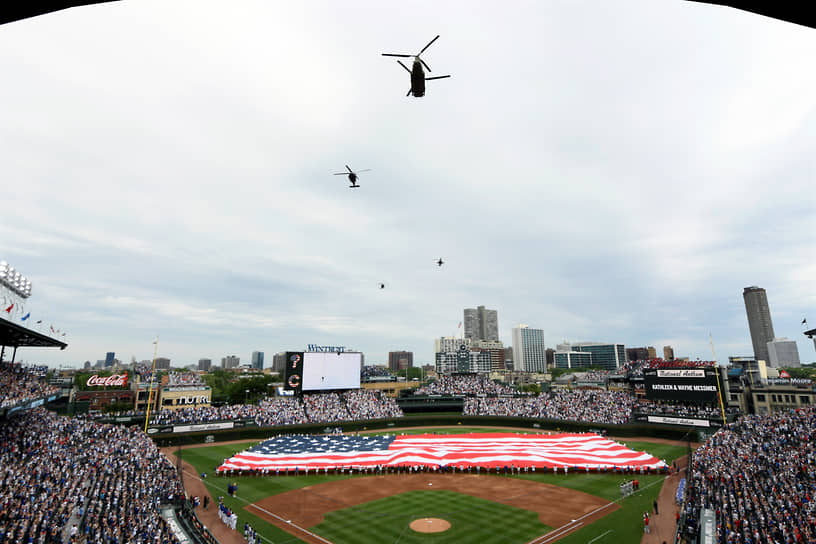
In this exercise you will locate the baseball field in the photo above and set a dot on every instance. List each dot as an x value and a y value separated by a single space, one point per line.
426 507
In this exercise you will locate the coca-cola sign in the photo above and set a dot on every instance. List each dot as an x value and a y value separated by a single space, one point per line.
114 380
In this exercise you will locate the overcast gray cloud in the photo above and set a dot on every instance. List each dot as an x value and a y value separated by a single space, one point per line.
612 171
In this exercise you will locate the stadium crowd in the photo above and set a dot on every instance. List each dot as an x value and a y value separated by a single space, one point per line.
590 405
466 384
107 481
758 474
702 411
183 378
313 408
22 383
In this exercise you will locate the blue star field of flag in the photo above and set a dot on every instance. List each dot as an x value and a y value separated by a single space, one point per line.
299 443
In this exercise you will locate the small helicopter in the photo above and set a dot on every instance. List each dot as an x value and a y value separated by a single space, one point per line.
352 176
382 286
418 78
440 262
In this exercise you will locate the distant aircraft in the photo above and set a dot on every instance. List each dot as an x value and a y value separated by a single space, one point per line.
352 176
382 286
440 262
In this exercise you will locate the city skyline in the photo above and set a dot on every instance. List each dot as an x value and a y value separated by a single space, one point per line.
613 183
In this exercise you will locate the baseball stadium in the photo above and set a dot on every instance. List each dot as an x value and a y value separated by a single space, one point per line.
323 449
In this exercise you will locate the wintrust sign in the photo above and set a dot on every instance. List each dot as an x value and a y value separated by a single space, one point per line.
329 349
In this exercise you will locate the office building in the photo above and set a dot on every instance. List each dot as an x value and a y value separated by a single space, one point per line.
529 353
279 362
205 364
162 363
400 360
759 320
668 353
783 352
607 356
572 359
446 344
258 360
638 354
230 361
481 324
109 358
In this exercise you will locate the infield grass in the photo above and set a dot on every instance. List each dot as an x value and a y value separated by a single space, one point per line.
472 520
621 526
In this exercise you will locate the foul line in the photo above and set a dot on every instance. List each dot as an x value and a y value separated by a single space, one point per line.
286 521
600 536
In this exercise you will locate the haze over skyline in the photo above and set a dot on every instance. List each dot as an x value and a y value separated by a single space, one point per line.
612 172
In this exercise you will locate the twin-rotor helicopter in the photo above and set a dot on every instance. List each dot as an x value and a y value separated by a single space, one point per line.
418 78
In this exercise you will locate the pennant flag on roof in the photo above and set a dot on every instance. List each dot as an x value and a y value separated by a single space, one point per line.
26 316
8 310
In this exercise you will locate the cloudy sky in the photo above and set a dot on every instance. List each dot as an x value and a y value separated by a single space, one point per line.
612 171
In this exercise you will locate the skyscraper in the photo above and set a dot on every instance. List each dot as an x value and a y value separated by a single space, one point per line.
759 320
668 353
399 360
481 324
529 353
257 359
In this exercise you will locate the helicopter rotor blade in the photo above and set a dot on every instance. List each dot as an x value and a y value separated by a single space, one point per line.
364 170
409 92
349 169
425 65
436 77
401 64
429 44
396 55
341 174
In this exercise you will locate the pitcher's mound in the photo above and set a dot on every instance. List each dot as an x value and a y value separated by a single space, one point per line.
430 525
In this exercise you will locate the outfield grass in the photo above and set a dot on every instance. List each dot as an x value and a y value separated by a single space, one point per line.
624 525
472 520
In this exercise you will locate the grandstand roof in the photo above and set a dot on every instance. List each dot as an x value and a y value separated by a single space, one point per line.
24 10
792 12
17 336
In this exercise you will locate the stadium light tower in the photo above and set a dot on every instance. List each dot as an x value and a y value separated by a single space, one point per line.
14 281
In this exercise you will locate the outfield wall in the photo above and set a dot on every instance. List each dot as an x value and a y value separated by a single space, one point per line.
214 434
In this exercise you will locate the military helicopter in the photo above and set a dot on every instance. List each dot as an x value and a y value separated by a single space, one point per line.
440 262
418 78
352 176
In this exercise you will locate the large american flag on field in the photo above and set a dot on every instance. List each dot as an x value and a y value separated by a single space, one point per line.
591 451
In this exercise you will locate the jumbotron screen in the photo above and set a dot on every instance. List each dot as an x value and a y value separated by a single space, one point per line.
331 370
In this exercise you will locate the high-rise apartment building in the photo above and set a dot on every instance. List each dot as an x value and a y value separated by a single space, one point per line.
258 359
400 360
529 353
230 361
783 353
449 344
205 364
668 353
652 352
279 362
759 320
162 363
481 324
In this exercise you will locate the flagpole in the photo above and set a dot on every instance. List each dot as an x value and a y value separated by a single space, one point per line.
150 387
